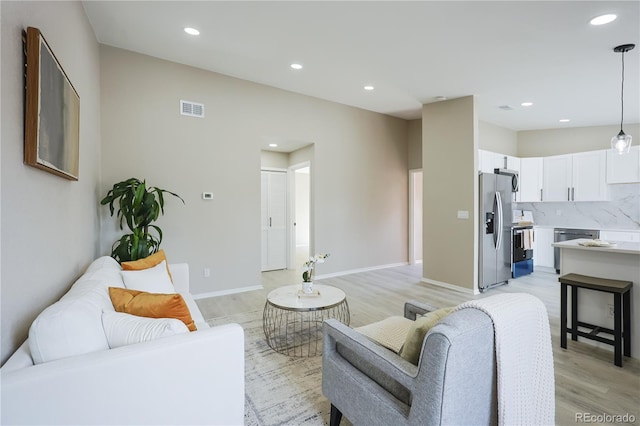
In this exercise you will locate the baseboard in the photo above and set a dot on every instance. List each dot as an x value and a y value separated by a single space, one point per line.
227 292
451 286
355 271
548 269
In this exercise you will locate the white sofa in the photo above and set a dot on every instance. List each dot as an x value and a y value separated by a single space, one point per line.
185 379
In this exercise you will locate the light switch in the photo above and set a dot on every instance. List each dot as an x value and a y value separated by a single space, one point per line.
463 214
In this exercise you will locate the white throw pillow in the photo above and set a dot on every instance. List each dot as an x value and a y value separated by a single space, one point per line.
67 328
123 329
152 280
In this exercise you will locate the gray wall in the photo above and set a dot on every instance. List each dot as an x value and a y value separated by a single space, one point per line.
497 139
359 171
450 253
490 138
49 224
415 144
541 143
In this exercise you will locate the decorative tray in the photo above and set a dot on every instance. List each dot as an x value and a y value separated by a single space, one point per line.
596 243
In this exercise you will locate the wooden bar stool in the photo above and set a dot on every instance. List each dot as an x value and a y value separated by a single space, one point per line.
621 306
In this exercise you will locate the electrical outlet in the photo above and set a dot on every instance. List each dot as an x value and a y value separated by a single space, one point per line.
206 272
610 310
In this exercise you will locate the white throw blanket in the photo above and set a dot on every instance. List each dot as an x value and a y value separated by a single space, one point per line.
524 358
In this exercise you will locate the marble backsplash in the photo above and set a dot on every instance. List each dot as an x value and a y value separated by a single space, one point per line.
621 212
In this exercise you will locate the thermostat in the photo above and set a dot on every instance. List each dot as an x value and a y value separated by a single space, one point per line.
207 195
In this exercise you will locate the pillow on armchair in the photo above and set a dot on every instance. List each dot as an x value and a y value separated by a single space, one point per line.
415 337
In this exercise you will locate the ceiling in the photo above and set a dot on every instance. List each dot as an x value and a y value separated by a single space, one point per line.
504 52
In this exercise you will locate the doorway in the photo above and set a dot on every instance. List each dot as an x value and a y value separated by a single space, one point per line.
415 216
300 211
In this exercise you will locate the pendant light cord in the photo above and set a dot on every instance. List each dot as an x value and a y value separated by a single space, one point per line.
622 95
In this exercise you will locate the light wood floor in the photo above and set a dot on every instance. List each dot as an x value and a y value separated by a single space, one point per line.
587 381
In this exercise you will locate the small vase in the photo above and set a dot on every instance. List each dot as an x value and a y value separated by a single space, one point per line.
307 287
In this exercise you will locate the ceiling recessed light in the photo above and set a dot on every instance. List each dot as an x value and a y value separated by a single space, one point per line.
603 19
296 66
368 88
526 104
564 120
273 145
191 31
441 98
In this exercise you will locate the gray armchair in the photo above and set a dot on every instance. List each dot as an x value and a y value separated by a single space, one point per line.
454 382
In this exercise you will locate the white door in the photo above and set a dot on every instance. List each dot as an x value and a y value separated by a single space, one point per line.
274 220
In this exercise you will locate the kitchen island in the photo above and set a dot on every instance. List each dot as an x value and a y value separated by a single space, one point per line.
619 261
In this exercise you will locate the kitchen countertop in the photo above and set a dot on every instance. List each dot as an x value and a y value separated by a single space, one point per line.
622 247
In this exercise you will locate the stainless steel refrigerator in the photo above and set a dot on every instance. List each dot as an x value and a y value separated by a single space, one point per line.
495 230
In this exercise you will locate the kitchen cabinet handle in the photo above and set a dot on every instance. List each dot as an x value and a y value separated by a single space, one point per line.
540 194
269 222
568 194
573 194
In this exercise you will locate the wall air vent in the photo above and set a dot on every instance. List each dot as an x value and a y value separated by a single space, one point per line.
192 109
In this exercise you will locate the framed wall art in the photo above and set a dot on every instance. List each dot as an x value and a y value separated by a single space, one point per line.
52 111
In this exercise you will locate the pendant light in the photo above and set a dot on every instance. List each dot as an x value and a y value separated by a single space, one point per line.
621 143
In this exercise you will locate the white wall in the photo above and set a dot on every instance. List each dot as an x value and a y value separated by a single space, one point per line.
359 171
49 224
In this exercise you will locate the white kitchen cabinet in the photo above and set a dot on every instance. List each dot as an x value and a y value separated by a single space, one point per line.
575 177
490 161
623 168
589 176
530 179
556 182
513 163
632 236
543 250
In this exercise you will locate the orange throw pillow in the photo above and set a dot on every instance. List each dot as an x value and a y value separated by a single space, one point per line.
148 262
151 305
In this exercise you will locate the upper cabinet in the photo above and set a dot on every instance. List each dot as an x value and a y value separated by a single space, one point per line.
575 177
556 184
513 163
490 161
623 168
589 176
530 180
581 176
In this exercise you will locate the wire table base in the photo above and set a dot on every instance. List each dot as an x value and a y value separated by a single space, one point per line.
297 332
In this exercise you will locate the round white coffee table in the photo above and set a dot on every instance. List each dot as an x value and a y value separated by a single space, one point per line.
292 321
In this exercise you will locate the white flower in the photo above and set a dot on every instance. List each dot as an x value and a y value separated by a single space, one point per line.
309 265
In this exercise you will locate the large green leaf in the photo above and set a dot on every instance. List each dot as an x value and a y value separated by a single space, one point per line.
138 206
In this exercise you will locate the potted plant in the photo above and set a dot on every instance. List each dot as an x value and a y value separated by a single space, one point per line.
307 274
138 206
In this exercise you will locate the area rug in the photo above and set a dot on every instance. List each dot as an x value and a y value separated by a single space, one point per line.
280 390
